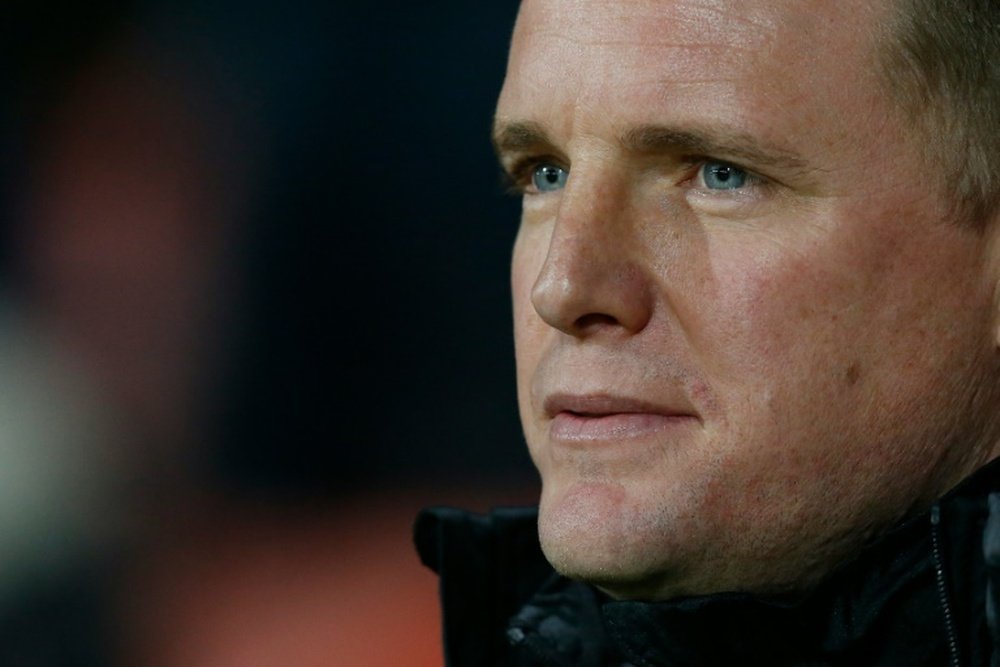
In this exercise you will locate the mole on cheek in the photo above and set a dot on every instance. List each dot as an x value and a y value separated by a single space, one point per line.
852 374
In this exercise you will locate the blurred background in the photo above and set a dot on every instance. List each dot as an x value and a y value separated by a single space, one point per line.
254 314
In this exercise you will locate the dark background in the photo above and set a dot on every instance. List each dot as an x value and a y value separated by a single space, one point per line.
370 336
266 245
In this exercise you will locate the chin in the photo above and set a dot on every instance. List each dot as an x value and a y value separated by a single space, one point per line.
639 541
619 571
597 533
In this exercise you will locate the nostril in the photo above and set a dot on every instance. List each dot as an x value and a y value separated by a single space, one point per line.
594 321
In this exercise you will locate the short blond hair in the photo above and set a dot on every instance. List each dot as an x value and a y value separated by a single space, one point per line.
942 63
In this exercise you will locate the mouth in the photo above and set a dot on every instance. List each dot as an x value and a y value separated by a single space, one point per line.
604 418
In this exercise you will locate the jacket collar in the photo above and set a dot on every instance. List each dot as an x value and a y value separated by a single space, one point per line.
884 607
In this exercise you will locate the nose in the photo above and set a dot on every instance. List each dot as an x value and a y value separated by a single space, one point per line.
592 280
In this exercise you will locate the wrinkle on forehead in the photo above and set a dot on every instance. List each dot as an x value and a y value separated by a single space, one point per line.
643 22
642 53
629 40
745 28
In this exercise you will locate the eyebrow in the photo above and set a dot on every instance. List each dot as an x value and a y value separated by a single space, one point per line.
518 137
725 143
512 137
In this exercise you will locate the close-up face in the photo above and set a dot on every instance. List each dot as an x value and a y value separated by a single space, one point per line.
748 329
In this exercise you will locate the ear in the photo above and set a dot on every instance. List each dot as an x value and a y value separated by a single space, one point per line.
991 241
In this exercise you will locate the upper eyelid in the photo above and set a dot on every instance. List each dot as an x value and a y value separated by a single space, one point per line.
519 164
514 161
518 171
754 177
699 160
512 137
741 147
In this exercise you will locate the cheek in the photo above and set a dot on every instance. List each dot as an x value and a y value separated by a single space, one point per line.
775 334
530 333
808 300
750 324
839 339
525 264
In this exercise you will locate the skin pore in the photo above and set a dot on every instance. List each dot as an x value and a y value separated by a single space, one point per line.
749 335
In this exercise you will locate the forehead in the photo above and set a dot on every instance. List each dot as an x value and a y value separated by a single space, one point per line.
640 57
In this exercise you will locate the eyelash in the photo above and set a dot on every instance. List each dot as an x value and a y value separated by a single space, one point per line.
694 164
517 178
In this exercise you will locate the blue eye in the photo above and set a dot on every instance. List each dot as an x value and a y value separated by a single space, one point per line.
723 176
548 178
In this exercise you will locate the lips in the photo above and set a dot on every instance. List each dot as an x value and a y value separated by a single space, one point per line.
609 418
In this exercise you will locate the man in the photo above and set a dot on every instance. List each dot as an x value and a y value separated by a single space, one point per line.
757 328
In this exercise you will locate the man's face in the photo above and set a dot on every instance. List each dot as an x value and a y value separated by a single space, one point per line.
748 332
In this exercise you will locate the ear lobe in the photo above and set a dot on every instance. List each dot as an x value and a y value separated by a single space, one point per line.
991 237
994 277
992 263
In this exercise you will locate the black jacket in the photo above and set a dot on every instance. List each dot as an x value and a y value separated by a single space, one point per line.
916 596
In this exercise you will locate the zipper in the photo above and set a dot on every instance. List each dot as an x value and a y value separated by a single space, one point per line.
942 588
